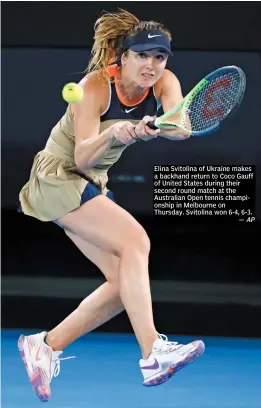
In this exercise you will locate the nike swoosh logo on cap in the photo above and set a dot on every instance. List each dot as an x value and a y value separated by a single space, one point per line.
154 366
129 110
152 36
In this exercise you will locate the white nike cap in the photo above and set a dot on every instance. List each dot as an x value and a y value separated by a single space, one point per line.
146 41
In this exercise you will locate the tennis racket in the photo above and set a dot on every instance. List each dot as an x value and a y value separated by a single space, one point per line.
208 103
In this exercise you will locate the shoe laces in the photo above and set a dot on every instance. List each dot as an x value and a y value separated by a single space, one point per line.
167 346
56 362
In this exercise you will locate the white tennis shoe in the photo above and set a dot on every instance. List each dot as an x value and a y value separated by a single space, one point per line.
41 363
167 358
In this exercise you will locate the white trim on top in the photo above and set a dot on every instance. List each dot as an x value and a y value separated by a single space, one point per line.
157 100
109 103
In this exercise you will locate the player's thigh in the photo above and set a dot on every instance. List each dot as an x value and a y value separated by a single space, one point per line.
106 225
106 262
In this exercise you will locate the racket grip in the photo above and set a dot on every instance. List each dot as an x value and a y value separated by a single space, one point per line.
151 125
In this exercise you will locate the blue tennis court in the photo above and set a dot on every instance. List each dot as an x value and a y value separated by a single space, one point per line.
105 373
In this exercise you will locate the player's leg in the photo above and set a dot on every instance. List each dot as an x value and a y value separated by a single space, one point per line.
97 308
113 230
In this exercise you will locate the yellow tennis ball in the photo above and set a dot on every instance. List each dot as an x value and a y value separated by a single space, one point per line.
72 93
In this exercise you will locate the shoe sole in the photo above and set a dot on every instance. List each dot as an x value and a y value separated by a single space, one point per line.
174 368
36 381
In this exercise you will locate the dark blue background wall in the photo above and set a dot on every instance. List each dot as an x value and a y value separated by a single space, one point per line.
195 25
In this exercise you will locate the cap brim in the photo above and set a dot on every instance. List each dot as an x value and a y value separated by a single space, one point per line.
148 47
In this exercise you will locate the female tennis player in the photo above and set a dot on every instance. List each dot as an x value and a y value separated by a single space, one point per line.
125 83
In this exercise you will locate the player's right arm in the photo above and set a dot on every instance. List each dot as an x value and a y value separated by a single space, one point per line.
90 146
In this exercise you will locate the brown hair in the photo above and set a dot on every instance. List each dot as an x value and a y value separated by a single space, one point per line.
109 31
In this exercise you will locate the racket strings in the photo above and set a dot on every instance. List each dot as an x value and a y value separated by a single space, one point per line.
214 101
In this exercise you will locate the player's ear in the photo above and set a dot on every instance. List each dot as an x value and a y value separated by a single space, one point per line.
124 58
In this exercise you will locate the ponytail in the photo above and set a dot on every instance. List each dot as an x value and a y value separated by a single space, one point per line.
109 32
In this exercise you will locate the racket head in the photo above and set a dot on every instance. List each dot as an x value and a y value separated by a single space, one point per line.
210 102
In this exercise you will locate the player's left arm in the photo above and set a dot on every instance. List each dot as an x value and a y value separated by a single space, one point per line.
170 96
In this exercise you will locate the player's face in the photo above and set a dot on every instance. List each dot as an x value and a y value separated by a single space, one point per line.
145 68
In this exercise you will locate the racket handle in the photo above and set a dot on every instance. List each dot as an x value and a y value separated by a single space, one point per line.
151 125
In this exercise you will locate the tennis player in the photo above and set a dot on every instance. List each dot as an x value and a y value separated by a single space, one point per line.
125 83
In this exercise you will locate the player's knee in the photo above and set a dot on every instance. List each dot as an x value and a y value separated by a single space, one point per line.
136 241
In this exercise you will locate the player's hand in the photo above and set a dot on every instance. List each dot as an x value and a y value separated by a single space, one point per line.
124 132
145 133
